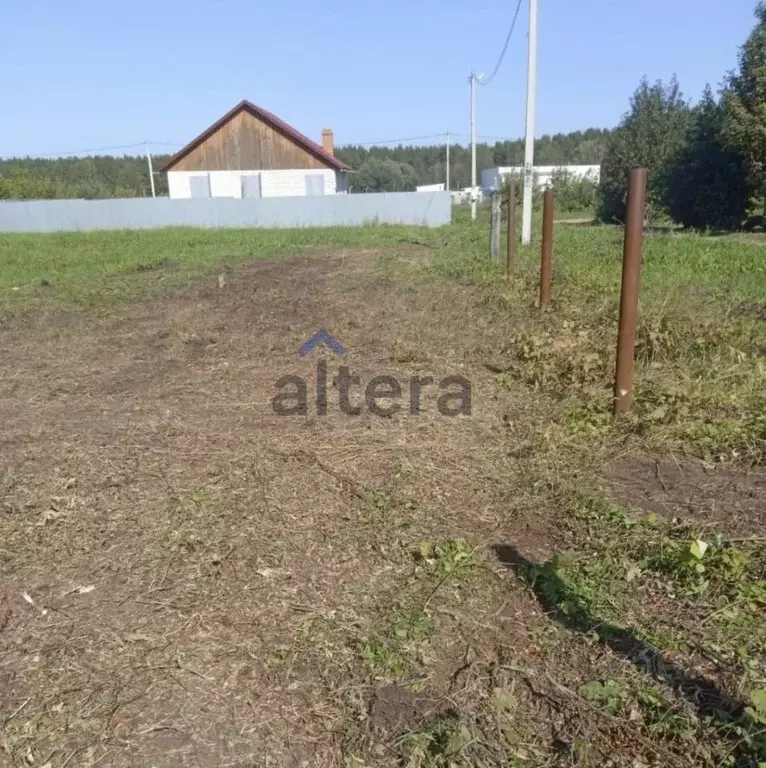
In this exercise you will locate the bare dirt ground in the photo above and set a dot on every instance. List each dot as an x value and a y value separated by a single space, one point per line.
727 499
190 579
168 541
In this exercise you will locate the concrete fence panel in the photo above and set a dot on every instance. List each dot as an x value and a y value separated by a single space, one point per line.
430 209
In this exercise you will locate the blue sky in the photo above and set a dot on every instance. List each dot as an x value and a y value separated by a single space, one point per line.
87 74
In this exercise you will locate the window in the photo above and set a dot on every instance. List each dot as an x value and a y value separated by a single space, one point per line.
314 183
251 185
200 185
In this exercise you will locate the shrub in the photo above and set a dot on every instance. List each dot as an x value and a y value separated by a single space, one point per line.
708 184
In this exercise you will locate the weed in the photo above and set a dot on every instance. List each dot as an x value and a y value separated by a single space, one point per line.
403 469
437 745
695 564
394 650
609 695
449 558
378 501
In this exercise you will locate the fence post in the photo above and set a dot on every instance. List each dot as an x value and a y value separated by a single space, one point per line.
631 273
511 257
546 260
494 228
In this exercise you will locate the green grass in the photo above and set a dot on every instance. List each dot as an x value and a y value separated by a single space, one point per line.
700 372
700 376
103 269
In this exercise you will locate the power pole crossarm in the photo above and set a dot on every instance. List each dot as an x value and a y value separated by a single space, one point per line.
529 146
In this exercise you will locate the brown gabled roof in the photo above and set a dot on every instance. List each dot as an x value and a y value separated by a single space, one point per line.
272 120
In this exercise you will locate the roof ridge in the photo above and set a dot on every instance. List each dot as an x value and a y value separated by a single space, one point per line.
271 119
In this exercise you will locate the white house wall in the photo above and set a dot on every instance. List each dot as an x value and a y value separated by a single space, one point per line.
293 183
282 183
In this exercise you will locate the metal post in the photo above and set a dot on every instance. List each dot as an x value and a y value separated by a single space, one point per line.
546 260
494 232
511 257
151 170
631 274
529 146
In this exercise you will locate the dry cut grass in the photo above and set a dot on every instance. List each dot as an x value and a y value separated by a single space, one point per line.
190 579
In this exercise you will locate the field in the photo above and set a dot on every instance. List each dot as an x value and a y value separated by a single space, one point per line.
190 578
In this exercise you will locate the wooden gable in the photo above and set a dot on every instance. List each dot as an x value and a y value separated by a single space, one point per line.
246 143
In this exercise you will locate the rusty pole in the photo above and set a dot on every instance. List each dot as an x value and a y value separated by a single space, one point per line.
631 273
511 258
546 261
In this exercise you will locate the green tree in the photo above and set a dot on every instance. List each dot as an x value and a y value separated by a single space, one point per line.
24 184
649 136
573 193
384 175
746 102
708 185
79 177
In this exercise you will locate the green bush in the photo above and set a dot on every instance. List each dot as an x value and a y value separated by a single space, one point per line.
573 193
708 185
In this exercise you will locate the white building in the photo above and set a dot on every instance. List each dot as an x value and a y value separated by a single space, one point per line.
464 195
492 179
431 188
250 152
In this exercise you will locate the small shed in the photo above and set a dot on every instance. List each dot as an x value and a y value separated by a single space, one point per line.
250 152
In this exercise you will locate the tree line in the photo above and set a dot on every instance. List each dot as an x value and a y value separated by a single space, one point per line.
387 169
101 176
706 162
377 168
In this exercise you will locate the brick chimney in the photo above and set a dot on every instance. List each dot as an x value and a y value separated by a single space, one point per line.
328 141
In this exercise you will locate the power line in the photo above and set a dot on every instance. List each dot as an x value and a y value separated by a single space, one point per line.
398 141
143 144
70 152
505 47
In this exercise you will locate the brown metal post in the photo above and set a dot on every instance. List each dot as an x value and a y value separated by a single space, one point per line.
546 261
511 258
631 273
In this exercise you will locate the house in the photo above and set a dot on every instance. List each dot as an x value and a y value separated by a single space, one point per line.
493 178
250 152
431 188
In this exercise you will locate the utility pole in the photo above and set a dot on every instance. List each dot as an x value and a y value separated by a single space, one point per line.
447 161
529 147
151 170
472 80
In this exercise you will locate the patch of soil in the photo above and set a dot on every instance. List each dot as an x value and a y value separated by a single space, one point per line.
728 499
395 709
754 309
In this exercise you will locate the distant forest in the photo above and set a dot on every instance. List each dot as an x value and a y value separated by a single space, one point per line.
377 168
388 168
